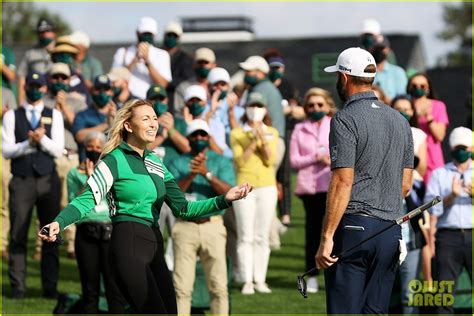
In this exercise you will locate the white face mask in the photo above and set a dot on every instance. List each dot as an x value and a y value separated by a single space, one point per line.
255 114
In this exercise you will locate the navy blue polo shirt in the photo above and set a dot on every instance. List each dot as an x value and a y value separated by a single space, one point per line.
90 117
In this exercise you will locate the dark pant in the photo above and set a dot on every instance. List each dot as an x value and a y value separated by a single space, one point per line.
140 268
453 252
361 282
25 193
315 208
92 254
283 176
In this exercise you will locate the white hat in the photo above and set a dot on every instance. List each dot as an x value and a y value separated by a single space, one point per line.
174 27
80 38
148 25
197 125
218 74
460 136
353 61
371 26
255 63
60 68
195 91
206 54
117 73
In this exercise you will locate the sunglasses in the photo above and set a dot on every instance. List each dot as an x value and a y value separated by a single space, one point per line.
255 105
314 105
199 133
59 76
421 86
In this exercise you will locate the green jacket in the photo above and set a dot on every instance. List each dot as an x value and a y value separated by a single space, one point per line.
136 188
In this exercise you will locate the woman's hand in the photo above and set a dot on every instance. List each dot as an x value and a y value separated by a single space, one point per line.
238 192
53 231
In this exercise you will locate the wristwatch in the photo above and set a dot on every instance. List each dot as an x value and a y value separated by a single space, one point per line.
209 176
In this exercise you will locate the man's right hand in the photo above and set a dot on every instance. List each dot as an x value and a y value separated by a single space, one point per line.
323 256
61 100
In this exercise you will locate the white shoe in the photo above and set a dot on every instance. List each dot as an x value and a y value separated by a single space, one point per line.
248 289
312 285
262 288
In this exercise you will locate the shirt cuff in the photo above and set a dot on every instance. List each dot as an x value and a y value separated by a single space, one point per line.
222 203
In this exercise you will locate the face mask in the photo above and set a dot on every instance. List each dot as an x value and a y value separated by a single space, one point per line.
222 95
417 92
63 58
34 94
367 41
54 88
145 37
316 116
406 115
199 145
255 114
170 41
202 72
43 42
251 80
160 108
461 155
101 99
379 55
341 91
117 91
274 75
92 155
196 109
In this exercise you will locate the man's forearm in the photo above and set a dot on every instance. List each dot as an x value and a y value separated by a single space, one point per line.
185 183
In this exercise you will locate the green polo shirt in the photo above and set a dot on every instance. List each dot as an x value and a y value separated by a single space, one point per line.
136 188
8 60
200 189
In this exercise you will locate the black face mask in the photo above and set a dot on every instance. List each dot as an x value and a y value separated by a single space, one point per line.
341 91
93 155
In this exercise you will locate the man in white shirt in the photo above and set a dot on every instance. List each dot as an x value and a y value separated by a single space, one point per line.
147 63
33 136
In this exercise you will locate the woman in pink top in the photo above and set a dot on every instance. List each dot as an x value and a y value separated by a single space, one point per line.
432 119
309 154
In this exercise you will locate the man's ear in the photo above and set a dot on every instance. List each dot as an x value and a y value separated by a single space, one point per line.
345 78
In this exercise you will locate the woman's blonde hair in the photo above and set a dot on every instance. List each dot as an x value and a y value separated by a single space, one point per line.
117 131
321 93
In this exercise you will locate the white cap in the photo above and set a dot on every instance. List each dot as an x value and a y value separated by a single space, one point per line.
60 68
195 91
206 54
148 25
197 125
371 26
80 38
353 61
119 73
218 74
255 63
174 27
460 136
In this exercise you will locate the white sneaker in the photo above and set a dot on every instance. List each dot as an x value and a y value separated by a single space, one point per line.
312 285
248 289
262 288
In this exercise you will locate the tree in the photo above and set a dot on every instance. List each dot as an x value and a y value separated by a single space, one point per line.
458 27
19 21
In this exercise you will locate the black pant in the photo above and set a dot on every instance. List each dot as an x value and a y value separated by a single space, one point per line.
453 252
283 177
140 268
25 193
92 254
315 208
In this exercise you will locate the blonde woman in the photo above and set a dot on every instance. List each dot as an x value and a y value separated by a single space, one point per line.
136 183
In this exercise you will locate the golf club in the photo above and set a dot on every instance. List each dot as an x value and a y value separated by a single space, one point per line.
300 281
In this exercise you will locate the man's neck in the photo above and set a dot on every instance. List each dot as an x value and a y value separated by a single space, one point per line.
462 166
381 66
172 51
354 89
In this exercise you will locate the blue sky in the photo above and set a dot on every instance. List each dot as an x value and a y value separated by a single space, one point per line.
116 22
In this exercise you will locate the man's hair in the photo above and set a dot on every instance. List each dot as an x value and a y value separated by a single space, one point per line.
364 81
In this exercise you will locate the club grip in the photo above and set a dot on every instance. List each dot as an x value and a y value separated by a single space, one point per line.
419 210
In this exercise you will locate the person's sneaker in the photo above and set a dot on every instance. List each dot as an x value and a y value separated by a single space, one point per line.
312 285
262 288
248 289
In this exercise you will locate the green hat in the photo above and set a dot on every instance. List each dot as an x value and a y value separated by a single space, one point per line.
156 91
256 98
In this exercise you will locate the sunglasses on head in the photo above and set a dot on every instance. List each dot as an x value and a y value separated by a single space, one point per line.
314 105
198 133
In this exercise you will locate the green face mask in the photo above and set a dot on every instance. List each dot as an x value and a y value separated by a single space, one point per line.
170 41
54 88
417 92
34 94
199 145
43 42
101 99
274 75
202 72
251 80
406 115
316 116
145 37
117 91
63 58
160 108
223 95
196 109
461 155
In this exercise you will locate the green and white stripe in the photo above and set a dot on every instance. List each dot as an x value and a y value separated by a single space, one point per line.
101 181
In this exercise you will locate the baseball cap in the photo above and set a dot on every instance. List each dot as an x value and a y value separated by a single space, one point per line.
255 63
218 74
156 91
197 125
371 26
102 81
44 25
35 78
117 73
352 61
60 68
195 91
276 61
460 136
80 38
206 54
148 25
175 28
65 48
256 98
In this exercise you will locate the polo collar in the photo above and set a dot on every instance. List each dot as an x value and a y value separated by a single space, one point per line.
368 95
126 147
452 167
